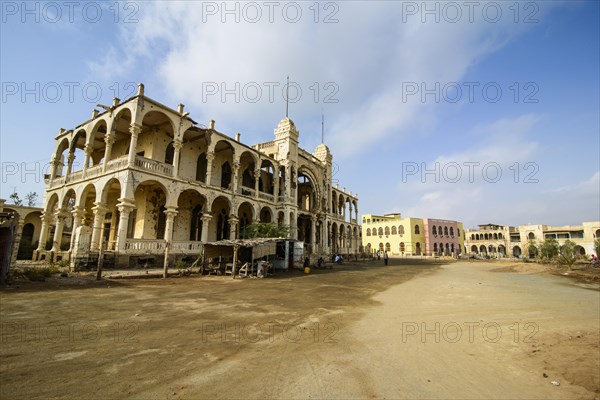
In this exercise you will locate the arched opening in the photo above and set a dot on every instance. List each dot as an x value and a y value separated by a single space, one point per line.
150 200
368 232
516 251
76 151
266 215
121 135
401 230
482 249
402 247
60 158
110 226
394 230
220 226
26 246
245 217
474 249
445 231
201 167
155 139
434 230
224 155
418 249
191 207
98 143
306 192
266 182
531 236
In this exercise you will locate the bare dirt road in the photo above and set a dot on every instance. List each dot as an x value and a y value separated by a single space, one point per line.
362 331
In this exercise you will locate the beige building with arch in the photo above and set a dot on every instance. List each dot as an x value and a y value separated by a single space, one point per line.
141 175
502 241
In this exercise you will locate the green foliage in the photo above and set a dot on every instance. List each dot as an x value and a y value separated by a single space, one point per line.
549 249
62 263
16 200
597 247
31 198
180 264
568 254
264 230
532 249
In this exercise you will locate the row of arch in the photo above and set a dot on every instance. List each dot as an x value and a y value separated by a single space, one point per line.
488 236
402 248
444 231
387 231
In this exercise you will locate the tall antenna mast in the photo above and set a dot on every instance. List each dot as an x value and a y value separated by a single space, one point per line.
323 128
287 96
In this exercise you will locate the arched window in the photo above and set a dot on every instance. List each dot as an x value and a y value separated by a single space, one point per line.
368 231
201 165
446 230
495 236
472 237
225 175
435 248
380 231
531 236
247 180
401 247
169 154
434 230
394 230
401 230
417 230
388 247
452 231
387 230
500 236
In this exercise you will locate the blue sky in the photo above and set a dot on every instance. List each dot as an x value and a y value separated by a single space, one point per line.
370 61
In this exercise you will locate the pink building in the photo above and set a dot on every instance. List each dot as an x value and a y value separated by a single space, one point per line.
443 237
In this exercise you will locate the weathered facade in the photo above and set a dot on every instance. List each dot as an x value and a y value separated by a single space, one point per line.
141 176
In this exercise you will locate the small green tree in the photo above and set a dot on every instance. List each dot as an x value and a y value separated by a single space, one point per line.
16 200
264 230
531 249
568 255
549 249
31 198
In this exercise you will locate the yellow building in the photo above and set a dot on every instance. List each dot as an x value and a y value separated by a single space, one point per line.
411 236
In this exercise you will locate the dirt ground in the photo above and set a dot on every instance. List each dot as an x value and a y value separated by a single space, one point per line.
409 330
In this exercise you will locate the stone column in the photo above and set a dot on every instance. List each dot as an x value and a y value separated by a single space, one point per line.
210 157
17 241
43 235
70 159
135 130
171 212
313 232
177 145
86 161
58 231
78 215
276 185
256 181
325 237
99 210
205 223
109 140
233 222
53 166
125 207
235 173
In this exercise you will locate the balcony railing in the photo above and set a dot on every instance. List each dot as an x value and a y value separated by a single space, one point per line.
153 166
266 196
157 246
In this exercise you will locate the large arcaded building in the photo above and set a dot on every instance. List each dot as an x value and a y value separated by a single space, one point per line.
141 175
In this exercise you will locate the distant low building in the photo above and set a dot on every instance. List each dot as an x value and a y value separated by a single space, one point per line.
502 241
411 236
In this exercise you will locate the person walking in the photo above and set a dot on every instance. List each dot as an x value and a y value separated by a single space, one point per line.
385 258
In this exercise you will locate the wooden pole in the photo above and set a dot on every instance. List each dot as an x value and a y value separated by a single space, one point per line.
235 250
166 263
100 258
